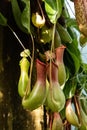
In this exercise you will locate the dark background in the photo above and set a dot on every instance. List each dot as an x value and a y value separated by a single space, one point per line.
12 115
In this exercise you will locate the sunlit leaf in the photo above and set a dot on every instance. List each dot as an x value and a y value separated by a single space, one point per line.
53 9
3 20
85 68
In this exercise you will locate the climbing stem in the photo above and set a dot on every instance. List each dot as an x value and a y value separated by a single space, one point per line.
77 106
28 88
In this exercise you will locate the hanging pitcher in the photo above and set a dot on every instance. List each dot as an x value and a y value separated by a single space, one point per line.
37 96
61 67
55 97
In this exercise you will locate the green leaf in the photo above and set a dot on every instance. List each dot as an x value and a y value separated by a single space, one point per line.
69 63
75 54
72 57
53 9
3 20
70 88
84 66
73 33
71 22
17 15
75 60
64 34
25 17
65 12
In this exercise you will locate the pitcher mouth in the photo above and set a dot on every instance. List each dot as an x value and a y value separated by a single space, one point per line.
48 64
61 46
40 62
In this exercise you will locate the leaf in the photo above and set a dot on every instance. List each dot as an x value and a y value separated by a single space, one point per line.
74 58
73 47
68 63
64 34
73 33
3 20
53 9
65 11
70 88
17 15
71 22
25 17
76 61
84 66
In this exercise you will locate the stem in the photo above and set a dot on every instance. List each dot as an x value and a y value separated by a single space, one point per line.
77 107
52 48
16 37
40 9
31 67
18 40
67 125
53 35
32 59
